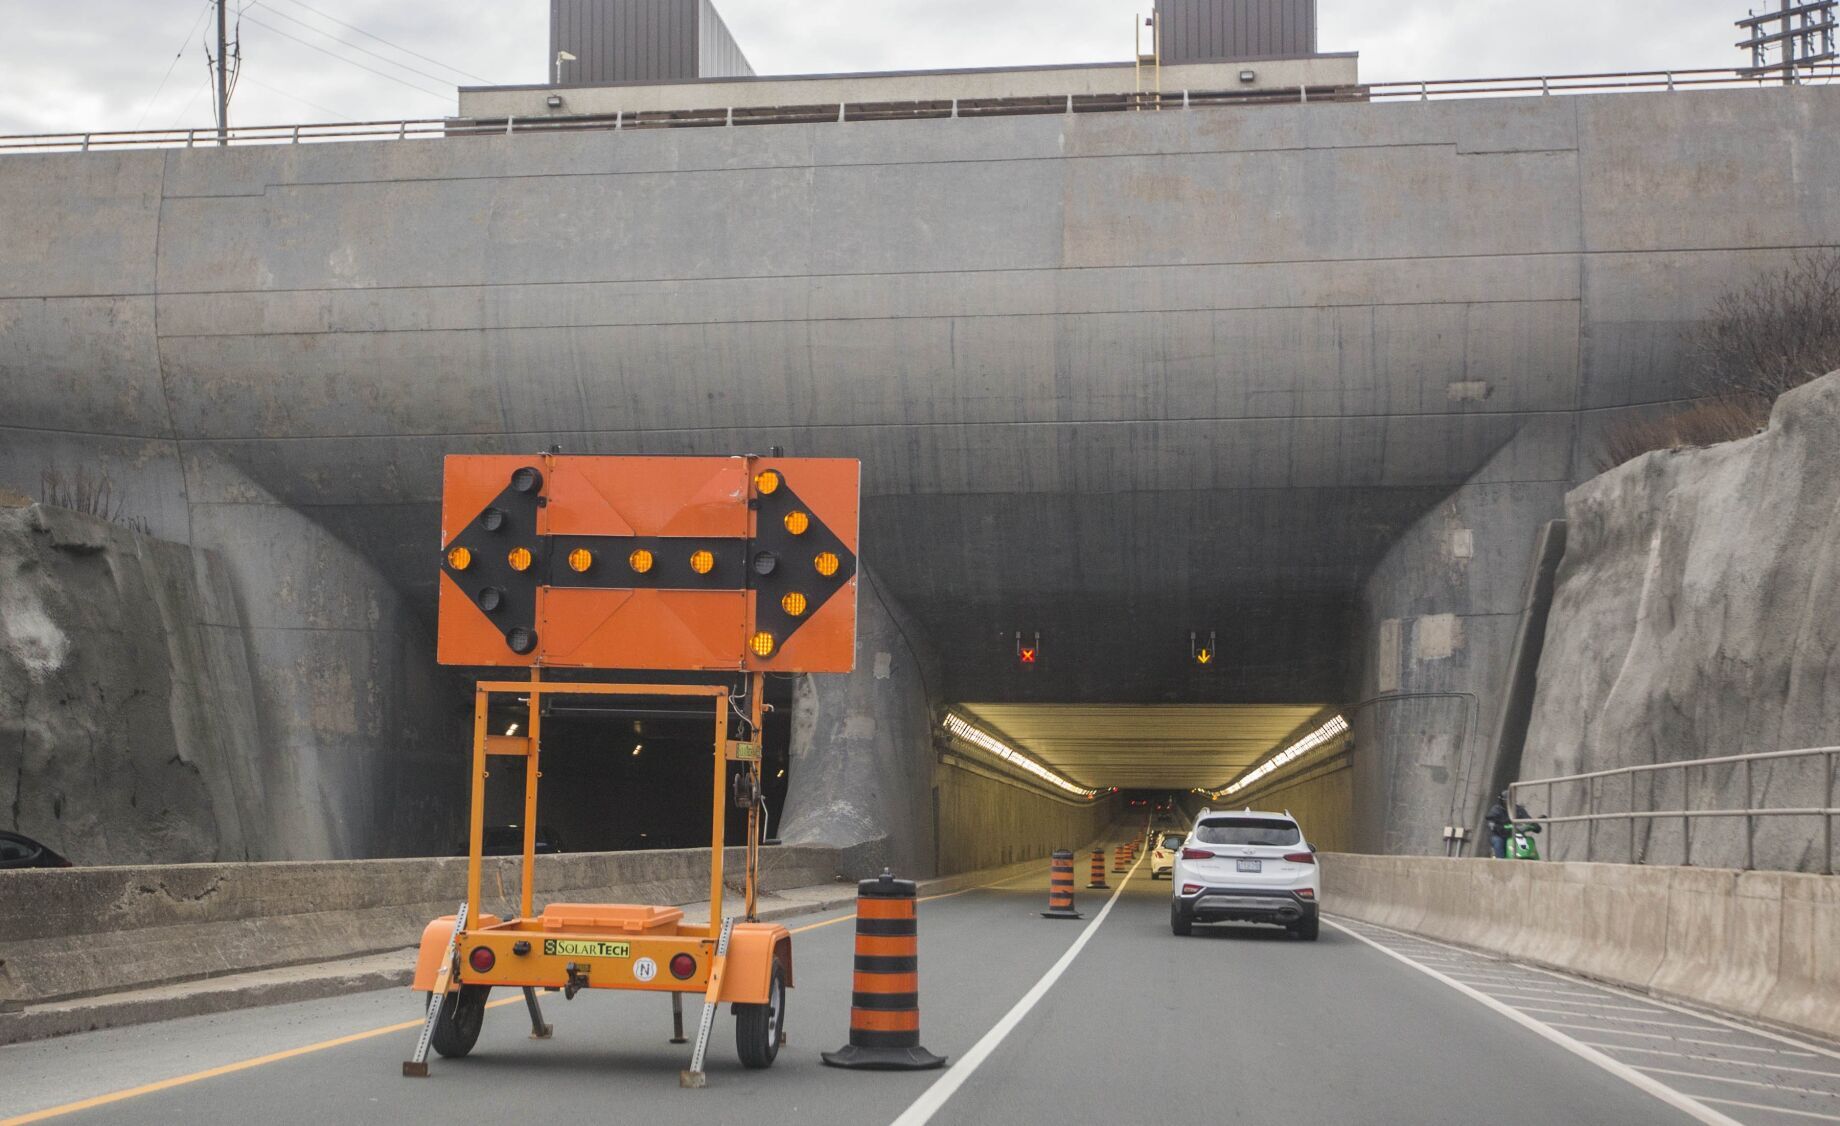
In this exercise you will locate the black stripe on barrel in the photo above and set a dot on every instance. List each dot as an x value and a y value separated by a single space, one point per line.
885 992
1060 887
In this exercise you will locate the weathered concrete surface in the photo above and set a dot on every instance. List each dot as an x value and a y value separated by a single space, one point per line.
1114 377
862 745
1760 944
127 717
1694 617
1439 619
76 932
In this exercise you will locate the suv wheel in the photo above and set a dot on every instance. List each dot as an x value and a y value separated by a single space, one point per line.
1306 929
1179 924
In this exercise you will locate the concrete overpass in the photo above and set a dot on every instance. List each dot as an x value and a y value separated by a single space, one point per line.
1310 378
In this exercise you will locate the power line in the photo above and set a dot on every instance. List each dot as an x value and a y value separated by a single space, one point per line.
349 43
381 39
183 45
351 62
338 114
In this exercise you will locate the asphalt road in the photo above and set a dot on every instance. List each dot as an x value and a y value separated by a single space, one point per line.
1229 1025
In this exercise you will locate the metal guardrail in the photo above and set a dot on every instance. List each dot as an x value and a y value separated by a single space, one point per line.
729 116
1743 765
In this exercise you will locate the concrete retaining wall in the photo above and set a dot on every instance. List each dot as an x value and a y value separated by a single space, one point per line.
84 931
1322 801
984 822
1759 944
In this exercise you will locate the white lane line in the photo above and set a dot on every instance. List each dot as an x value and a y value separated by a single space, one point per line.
1738 1082
1755 1065
1684 1103
1515 995
1712 1018
1726 1044
943 1088
1773 1109
1618 991
1644 1022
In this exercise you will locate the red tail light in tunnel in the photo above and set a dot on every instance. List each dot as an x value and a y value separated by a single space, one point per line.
1197 854
1300 857
1306 893
683 967
482 959
1190 889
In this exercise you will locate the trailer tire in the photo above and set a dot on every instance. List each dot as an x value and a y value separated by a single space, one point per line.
758 1028
463 1014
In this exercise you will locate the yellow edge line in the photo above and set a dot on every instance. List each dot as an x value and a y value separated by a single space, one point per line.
290 1053
226 1069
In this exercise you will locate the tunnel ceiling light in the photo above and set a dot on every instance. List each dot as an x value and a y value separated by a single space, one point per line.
1317 738
984 741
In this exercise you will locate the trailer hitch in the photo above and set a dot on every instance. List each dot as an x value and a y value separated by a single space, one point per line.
578 981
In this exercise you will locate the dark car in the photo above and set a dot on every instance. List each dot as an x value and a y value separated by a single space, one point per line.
508 840
24 852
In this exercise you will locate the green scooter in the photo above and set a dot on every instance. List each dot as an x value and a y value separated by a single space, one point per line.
1521 845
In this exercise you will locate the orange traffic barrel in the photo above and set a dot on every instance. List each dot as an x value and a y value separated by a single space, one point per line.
1098 870
885 995
1060 887
1118 860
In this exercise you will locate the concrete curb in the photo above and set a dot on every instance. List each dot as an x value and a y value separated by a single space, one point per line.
317 981
1760 945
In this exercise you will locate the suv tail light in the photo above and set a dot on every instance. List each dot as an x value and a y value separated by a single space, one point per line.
1197 854
1190 889
1300 857
1306 893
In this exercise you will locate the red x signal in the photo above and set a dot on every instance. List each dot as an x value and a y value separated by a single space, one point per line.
1027 656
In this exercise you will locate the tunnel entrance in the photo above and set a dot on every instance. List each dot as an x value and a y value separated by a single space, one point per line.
632 773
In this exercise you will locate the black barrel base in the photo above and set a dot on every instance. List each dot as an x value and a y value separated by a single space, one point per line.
883 1059
1098 887
1062 915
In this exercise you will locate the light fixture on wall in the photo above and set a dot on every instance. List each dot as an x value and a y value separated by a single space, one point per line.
562 57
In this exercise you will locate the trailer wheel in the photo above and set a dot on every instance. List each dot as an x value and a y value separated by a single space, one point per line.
463 1014
758 1028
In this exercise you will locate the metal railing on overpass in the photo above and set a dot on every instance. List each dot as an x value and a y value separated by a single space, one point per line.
1742 767
437 128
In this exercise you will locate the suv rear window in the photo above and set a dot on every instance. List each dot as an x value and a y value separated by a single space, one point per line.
1172 840
1247 831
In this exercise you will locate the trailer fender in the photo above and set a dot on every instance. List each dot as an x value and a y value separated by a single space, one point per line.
752 950
434 945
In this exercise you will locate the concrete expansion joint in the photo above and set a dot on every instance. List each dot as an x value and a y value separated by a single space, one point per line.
199 897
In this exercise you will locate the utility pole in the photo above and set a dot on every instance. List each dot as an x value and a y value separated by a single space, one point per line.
223 73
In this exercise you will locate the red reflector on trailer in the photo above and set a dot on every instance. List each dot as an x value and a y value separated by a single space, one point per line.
1197 854
482 959
683 967
1300 857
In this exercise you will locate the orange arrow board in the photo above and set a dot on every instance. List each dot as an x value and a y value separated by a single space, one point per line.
674 563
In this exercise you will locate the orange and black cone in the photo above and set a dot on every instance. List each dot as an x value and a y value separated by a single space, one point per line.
885 996
1118 860
1060 887
1098 870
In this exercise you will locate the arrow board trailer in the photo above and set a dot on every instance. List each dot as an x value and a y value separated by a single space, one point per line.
723 567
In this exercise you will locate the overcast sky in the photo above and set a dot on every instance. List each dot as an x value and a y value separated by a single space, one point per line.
122 64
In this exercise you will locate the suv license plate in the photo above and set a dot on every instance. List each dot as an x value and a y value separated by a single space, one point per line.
1251 865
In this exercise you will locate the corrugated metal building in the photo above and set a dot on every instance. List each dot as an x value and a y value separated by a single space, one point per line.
1197 31
642 41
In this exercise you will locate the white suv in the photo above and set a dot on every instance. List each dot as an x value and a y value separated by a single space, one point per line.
1245 867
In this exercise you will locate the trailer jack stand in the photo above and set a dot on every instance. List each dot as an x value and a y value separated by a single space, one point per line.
538 1030
677 1019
